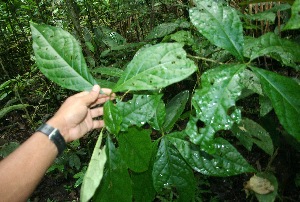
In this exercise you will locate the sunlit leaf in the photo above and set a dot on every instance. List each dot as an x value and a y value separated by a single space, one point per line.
282 50
116 183
220 24
170 170
138 110
215 102
174 109
226 161
59 57
136 148
156 67
284 94
293 22
94 173
249 132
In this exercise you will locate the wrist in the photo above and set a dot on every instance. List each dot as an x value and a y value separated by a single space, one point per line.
55 123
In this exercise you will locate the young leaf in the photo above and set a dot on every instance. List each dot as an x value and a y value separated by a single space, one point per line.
249 132
174 109
215 102
136 148
226 161
156 67
282 50
116 183
94 173
59 57
138 110
293 22
112 117
284 94
170 170
220 24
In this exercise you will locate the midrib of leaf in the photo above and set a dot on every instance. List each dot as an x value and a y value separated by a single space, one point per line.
282 94
221 26
52 48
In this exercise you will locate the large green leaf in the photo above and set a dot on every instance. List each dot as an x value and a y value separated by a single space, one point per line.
226 161
138 110
284 94
94 173
282 50
112 117
136 148
293 22
174 109
59 57
215 103
249 132
156 67
116 183
142 186
220 24
170 170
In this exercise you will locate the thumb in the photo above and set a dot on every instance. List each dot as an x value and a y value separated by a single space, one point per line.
92 95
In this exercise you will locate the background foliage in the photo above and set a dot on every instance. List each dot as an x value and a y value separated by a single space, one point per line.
206 89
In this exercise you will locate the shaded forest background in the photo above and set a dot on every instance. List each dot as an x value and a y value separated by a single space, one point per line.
101 27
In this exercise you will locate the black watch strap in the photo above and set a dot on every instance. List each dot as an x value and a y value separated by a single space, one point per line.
55 136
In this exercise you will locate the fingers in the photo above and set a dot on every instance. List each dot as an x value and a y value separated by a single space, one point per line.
96 112
98 124
94 96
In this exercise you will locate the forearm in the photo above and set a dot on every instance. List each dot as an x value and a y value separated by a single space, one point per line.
21 171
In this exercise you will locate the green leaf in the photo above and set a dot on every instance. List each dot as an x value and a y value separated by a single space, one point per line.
284 94
220 24
116 183
8 109
159 116
174 109
112 117
139 110
8 148
59 57
94 173
156 67
170 170
136 148
293 22
226 161
74 161
109 71
215 103
282 50
142 186
265 105
249 132
162 30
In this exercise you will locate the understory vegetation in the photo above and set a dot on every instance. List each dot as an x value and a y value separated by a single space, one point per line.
208 96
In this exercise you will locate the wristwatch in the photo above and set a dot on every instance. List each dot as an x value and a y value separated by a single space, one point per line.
54 135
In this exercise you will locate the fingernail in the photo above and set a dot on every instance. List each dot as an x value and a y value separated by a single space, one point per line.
96 88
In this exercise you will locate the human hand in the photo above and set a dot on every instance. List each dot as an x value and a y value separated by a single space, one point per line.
76 115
